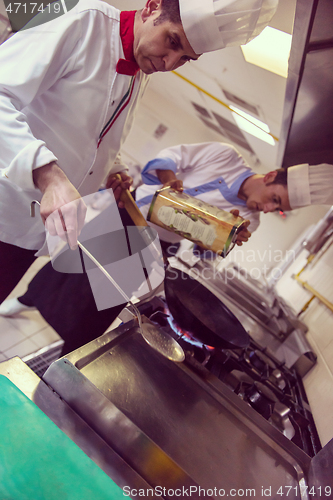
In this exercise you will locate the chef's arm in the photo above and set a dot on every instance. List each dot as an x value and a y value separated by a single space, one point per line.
182 160
178 160
150 173
168 178
31 62
62 208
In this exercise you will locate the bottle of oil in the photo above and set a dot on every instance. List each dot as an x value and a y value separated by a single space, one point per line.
207 226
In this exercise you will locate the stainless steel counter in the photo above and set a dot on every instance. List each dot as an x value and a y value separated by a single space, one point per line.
176 429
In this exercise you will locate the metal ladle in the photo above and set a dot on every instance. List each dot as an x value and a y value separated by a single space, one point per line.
155 337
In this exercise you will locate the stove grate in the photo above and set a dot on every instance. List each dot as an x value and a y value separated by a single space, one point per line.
40 360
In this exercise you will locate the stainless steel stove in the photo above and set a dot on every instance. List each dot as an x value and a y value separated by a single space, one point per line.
260 379
225 422
194 427
161 429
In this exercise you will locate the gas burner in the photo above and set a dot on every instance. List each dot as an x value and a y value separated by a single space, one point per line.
260 361
168 323
160 318
268 368
261 398
280 419
181 332
277 378
197 354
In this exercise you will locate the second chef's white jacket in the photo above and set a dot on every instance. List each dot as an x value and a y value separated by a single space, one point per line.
58 89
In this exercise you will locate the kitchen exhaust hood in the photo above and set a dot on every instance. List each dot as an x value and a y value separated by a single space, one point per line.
307 126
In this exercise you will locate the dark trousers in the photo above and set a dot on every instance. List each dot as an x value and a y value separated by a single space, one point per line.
64 300
67 303
14 262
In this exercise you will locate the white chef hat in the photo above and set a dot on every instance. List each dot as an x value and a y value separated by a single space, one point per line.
214 24
310 185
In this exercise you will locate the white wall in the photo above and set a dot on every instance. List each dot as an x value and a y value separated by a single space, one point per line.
319 319
267 247
153 111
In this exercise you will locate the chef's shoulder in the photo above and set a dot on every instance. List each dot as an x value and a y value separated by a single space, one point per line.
206 153
202 152
98 6
50 22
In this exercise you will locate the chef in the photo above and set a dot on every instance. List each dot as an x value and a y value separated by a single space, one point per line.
213 172
217 174
68 94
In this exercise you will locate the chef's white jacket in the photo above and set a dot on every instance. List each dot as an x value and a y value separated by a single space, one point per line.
58 89
211 171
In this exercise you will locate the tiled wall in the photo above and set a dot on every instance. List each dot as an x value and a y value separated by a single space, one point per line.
319 319
319 381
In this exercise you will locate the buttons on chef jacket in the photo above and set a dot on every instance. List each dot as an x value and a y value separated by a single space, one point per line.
90 173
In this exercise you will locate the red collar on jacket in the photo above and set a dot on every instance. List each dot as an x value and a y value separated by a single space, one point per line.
127 66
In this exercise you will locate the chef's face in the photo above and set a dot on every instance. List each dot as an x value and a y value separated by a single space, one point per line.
160 46
267 197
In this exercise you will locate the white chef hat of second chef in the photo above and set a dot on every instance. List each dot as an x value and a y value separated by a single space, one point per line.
310 185
215 24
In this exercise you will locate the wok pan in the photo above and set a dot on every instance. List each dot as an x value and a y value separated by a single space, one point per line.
199 311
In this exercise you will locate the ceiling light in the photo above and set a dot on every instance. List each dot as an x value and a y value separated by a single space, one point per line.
252 125
270 50
250 118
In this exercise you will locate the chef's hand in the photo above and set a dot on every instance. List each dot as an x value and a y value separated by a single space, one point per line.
62 208
175 184
118 185
243 234
168 179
